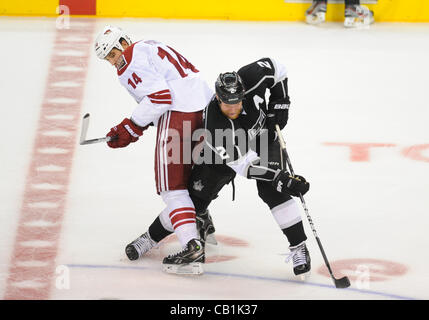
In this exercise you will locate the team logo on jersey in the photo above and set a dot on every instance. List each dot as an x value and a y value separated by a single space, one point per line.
198 185
107 31
122 63
258 126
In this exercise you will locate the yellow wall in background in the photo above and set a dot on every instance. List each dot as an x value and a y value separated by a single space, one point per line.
268 10
401 10
28 7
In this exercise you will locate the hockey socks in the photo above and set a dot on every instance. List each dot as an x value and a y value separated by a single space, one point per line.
179 215
295 234
288 217
157 231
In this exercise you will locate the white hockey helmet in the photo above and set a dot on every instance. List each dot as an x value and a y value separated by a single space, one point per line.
108 39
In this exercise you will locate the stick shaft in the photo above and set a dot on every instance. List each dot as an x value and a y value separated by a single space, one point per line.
96 140
286 160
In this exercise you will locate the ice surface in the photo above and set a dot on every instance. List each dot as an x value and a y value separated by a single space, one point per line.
365 86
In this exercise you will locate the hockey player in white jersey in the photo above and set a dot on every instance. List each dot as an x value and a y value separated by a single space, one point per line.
169 92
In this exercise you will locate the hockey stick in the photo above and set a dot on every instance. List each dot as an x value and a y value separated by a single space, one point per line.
343 282
85 125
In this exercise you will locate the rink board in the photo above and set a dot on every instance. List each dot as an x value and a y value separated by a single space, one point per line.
252 10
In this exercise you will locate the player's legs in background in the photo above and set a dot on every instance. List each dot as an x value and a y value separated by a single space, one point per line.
316 13
356 15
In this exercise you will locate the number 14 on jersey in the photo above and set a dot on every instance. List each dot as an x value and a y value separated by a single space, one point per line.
179 62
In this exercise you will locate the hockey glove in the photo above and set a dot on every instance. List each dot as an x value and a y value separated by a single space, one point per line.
284 182
124 133
280 109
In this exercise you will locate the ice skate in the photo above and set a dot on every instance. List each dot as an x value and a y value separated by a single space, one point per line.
316 13
188 261
140 246
206 228
301 259
357 16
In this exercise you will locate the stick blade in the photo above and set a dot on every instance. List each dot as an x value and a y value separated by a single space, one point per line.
342 283
84 129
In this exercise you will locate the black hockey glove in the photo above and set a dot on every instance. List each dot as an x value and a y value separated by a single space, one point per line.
280 109
278 113
284 182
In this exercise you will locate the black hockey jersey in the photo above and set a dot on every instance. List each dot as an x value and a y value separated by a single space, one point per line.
238 142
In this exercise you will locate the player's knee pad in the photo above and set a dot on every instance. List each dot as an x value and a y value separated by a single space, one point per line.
270 195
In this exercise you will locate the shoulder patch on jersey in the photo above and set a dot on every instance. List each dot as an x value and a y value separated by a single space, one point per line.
127 56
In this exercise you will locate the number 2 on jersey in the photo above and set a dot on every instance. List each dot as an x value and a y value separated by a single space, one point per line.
180 63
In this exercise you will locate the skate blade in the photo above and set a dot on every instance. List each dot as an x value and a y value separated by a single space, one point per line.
357 23
304 276
211 239
190 268
315 19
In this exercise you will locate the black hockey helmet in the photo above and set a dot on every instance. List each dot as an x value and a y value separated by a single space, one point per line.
229 88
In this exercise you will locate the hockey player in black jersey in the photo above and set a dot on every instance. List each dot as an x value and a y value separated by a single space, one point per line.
250 148
241 139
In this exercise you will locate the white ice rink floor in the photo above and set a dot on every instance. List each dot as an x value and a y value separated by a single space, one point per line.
358 131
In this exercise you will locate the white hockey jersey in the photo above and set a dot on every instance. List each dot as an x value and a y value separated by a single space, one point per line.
160 79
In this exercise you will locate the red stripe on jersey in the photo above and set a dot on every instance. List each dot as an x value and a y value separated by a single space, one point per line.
160 92
181 209
160 97
165 94
182 216
161 102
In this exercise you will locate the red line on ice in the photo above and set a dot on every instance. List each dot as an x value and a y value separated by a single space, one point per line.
32 266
